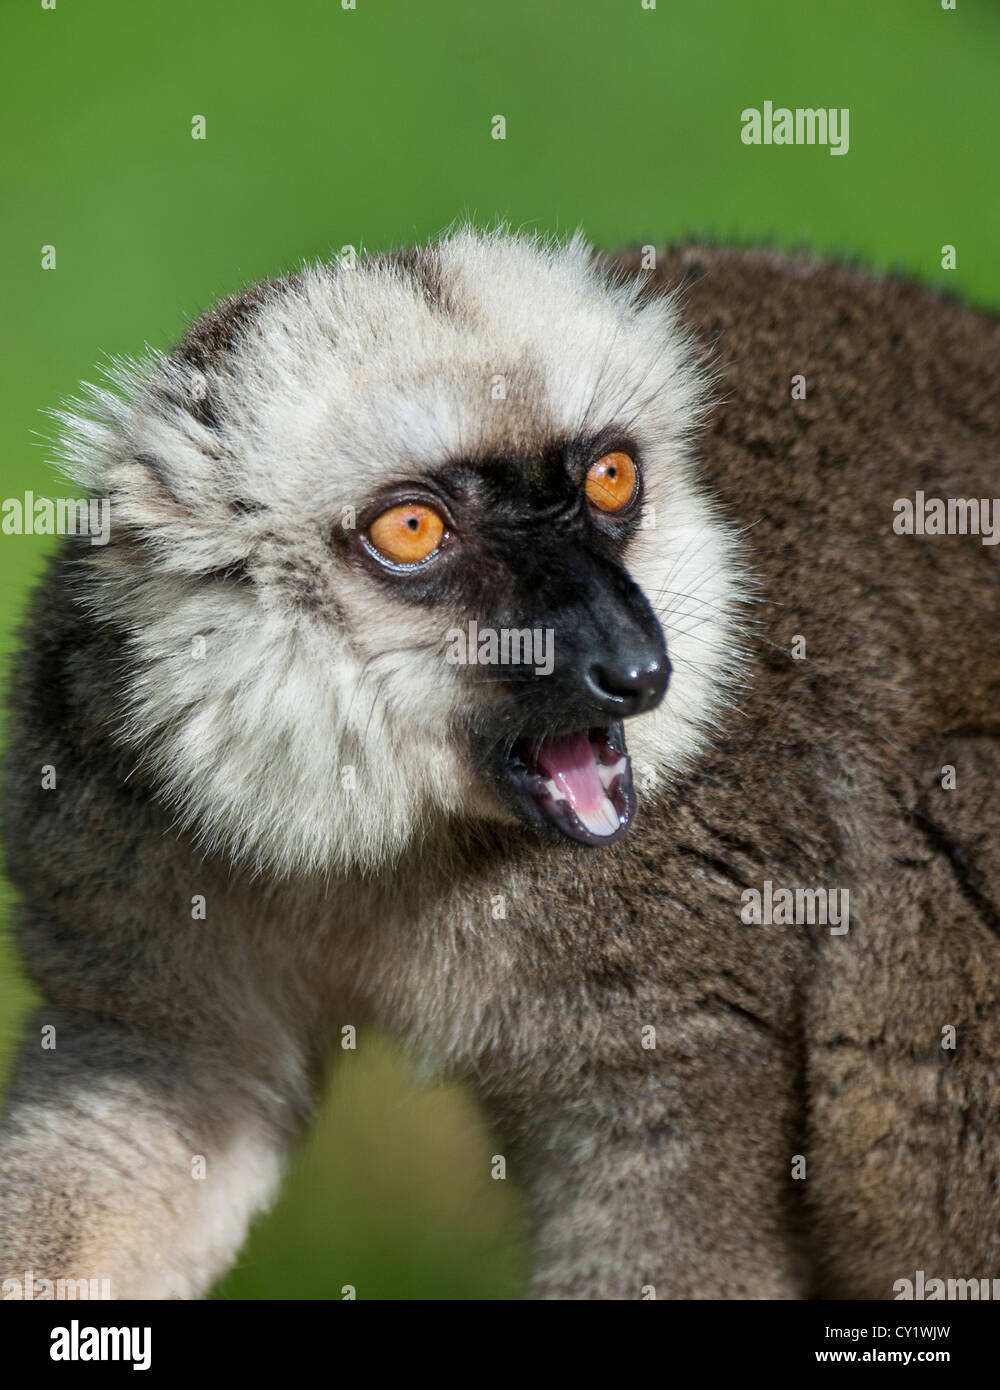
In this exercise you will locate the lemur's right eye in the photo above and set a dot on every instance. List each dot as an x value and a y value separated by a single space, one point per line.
612 482
407 534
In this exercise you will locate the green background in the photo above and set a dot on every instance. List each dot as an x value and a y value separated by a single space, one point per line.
371 127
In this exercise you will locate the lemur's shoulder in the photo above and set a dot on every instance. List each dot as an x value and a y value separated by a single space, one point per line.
864 340
841 391
742 273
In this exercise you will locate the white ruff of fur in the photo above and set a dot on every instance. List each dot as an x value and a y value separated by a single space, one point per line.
346 382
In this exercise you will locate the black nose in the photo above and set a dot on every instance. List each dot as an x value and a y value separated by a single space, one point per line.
629 687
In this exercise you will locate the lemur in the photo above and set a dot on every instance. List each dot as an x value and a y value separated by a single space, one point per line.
684 468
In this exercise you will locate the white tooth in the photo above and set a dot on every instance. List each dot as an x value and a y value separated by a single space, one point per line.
609 773
606 822
554 791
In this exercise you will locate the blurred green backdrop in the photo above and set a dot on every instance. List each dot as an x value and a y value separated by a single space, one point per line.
371 126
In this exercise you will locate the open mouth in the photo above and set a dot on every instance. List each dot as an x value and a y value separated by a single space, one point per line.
580 782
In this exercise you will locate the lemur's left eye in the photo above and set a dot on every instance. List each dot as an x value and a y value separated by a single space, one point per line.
407 534
611 482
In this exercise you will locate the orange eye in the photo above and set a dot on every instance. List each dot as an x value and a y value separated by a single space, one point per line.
407 534
611 482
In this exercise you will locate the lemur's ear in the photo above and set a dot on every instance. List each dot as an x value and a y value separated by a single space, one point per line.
210 343
154 439
145 441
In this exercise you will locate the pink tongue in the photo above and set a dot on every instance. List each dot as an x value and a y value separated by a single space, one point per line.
570 762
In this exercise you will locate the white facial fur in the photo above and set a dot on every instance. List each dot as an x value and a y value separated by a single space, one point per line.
344 381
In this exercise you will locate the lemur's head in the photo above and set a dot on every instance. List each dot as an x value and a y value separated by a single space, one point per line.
411 538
